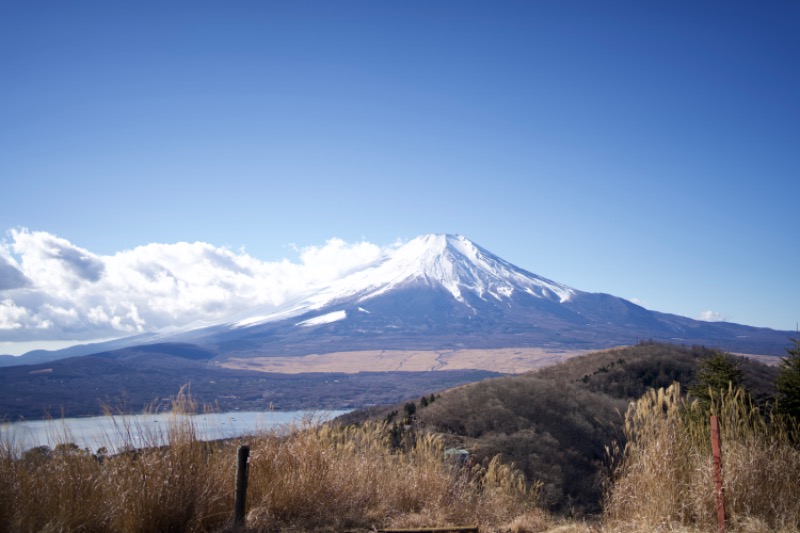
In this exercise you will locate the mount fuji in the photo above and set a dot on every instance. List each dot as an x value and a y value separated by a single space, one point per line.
443 293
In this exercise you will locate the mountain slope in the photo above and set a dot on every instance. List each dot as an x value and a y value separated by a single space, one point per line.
443 292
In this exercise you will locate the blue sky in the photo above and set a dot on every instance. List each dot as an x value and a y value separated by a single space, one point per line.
647 150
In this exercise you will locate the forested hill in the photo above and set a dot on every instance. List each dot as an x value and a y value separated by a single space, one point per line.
554 424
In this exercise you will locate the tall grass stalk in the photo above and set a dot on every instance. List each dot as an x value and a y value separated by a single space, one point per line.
666 475
314 478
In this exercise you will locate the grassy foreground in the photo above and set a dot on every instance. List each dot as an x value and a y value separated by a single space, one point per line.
354 478
325 478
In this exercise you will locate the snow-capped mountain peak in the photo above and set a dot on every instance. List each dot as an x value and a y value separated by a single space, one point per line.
451 262
457 264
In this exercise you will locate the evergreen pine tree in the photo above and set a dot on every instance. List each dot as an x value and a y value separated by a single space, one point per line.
787 383
715 373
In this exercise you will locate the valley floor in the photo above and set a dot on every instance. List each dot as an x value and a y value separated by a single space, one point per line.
502 360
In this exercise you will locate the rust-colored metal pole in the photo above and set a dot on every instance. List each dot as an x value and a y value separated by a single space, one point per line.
716 449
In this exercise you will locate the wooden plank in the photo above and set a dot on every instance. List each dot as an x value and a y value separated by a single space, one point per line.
459 529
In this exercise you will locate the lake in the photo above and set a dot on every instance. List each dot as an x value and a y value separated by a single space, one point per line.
113 432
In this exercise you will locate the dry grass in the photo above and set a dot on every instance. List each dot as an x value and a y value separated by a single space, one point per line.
505 360
665 480
348 477
336 478
314 479
170 488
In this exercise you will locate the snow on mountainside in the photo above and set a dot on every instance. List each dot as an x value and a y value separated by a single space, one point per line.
441 292
444 292
451 262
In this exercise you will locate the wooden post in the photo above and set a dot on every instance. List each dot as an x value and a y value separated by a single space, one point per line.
716 449
241 485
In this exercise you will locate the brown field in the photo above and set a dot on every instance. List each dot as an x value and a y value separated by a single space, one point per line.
769 360
504 360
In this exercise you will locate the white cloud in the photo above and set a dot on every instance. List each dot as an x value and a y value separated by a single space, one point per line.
337 258
56 290
11 316
712 316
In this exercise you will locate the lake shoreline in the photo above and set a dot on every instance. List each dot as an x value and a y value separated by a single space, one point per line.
114 431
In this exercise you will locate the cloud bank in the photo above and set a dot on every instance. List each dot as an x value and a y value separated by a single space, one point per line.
51 289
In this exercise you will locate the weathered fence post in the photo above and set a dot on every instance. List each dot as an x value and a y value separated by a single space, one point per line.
716 450
241 485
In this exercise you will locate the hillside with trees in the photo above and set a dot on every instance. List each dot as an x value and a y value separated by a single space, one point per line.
558 424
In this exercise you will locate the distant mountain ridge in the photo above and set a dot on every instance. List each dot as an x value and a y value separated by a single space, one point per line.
444 292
